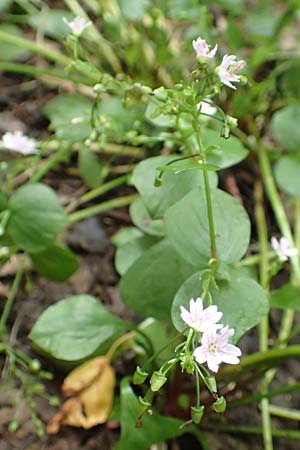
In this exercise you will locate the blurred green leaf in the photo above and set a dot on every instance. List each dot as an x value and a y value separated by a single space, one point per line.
142 219
131 251
74 328
36 217
287 174
50 22
90 168
56 263
70 116
134 9
285 127
287 297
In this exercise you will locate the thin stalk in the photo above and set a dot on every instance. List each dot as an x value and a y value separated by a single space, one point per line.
44 51
264 325
285 413
270 394
212 234
50 163
97 191
248 429
11 298
198 399
97 147
101 207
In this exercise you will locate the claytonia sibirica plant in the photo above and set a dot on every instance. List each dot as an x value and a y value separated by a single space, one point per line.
228 69
18 142
283 248
77 26
216 349
200 319
202 49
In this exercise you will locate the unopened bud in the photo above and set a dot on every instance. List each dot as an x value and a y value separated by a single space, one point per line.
211 383
139 376
197 413
144 405
220 405
157 380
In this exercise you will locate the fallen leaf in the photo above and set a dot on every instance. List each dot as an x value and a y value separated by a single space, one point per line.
91 387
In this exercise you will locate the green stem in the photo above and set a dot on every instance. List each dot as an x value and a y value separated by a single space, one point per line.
155 355
28 69
42 50
198 399
102 207
285 413
97 191
248 429
108 148
51 162
270 394
264 325
10 300
212 234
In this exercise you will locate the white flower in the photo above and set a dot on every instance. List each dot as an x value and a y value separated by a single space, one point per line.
215 349
202 49
200 319
228 68
18 142
78 25
283 248
205 107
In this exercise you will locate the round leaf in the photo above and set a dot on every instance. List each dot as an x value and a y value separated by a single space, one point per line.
56 263
285 127
74 328
149 285
242 301
36 217
157 199
141 218
287 174
187 227
230 152
132 250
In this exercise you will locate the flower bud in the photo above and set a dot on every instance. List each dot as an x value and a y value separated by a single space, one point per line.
220 405
232 122
197 413
225 132
188 363
157 380
139 376
211 383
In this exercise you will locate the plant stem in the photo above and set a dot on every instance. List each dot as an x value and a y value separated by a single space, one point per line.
61 155
108 148
256 398
44 51
97 191
212 235
285 413
248 429
264 325
101 207
10 300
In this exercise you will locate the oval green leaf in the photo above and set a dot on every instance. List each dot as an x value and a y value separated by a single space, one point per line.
149 285
56 263
36 217
285 127
74 328
287 174
187 227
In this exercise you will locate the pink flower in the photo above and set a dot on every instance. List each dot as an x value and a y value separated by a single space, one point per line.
202 49
227 70
215 349
200 319
78 25
283 248
18 142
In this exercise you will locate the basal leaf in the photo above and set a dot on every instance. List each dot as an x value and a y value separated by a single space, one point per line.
56 263
287 174
285 127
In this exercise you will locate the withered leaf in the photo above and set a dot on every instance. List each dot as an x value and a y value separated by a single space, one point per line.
91 387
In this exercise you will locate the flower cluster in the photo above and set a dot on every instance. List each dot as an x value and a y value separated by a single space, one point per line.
229 67
18 142
77 26
215 347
